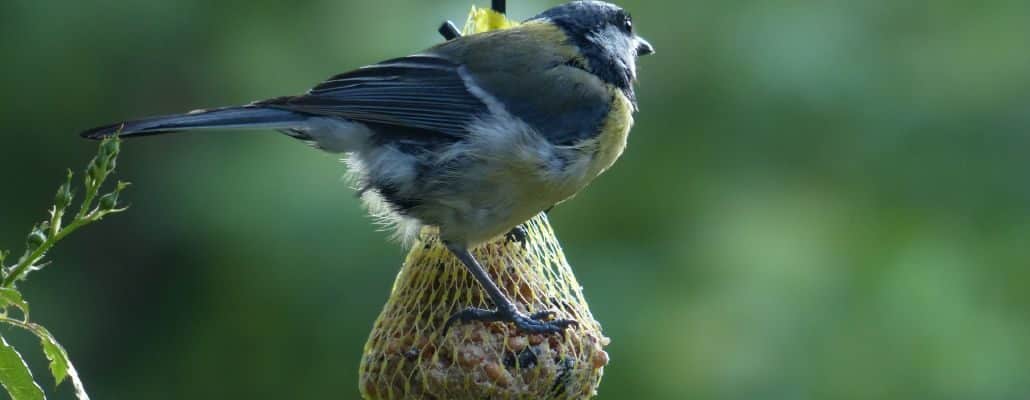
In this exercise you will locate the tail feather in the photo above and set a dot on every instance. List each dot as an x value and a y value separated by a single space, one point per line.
219 118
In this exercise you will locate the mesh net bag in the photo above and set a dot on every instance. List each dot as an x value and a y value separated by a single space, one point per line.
407 356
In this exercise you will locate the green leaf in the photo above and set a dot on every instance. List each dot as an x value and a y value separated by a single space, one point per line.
15 375
58 359
12 297
60 365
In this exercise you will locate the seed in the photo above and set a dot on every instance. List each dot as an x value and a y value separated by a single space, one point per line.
526 290
600 359
444 360
470 356
394 346
525 359
428 351
497 374
370 389
518 343
496 328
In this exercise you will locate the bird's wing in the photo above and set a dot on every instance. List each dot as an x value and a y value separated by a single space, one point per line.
425 93
538 76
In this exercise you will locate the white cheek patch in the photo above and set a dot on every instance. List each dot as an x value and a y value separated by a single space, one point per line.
619 46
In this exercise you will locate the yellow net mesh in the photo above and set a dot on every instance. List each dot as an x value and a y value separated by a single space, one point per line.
406 356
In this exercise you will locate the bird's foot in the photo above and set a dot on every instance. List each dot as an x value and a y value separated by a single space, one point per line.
539 322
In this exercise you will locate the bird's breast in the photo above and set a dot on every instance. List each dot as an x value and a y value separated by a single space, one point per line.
589 158
611 141
600 152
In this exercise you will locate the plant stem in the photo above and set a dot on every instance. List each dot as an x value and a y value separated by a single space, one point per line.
22 267
91 193
29 326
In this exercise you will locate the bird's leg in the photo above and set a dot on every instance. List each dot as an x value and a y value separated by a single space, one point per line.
506 310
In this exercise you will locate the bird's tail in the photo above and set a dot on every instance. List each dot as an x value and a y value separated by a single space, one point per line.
248 117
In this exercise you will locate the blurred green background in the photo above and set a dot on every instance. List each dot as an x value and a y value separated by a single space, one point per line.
821 199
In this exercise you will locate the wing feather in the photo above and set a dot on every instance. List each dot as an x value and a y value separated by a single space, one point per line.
423 92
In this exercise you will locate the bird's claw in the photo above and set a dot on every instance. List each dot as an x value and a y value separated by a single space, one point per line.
539 322
544 315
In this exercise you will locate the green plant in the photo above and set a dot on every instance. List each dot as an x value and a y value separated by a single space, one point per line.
15 376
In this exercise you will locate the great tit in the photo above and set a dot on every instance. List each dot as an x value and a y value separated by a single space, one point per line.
473 136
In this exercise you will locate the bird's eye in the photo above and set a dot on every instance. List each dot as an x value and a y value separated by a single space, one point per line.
628 25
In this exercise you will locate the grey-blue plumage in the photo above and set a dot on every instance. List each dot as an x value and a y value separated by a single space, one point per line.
473 136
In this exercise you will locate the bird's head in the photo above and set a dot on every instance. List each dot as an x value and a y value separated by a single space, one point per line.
606 37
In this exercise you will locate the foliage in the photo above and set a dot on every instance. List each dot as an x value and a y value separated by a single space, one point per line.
14 373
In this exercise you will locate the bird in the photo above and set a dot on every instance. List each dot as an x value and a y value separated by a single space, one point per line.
473 136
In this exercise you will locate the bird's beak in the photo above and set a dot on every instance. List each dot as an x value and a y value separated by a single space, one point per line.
643 47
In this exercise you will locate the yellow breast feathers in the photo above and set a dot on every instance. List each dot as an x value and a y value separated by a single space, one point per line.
614 132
